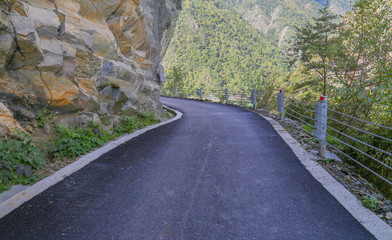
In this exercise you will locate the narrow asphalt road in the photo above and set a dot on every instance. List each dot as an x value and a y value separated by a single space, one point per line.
218 173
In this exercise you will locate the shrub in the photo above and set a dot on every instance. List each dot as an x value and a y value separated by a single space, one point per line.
369 202
43 116
131 123
127 125
18 158
72 143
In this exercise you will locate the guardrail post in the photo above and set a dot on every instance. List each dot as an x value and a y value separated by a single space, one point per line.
281 104
253 95
175 91
201 93
227 95
320 125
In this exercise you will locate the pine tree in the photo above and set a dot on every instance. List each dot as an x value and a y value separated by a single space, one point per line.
314 44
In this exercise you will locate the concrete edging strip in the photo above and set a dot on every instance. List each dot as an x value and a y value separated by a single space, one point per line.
18 199
367 218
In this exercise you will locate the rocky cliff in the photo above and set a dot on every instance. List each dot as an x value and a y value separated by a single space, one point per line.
85 58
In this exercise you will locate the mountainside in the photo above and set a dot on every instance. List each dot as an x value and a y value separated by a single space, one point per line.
79 57
214 47
277 18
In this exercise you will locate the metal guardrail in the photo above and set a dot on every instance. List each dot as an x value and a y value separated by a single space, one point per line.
325 129
239 98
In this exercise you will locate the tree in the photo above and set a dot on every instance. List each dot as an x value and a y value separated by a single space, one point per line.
174 80
313 44
364 78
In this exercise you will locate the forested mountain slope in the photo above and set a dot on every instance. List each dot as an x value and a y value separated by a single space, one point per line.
276 18
215 47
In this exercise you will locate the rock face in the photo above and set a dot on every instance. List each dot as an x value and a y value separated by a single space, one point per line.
80 56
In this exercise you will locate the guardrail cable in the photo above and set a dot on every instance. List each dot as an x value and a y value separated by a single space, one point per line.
309 110
295 114
357 140
304 103
359 163
358 119
367 155
301 126
300 114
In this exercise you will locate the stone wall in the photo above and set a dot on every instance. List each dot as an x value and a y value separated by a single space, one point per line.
80 56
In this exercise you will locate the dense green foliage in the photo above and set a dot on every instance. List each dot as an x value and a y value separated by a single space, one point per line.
359 71
314 45
131 123
215 47
18 158
276 18
369 202
72 143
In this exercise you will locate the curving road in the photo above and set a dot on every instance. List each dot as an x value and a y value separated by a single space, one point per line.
220 172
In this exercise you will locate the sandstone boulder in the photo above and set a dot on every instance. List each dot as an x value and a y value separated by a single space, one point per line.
53 56
7 41
8 125
119 70
79 56
80 120
27 39
46 22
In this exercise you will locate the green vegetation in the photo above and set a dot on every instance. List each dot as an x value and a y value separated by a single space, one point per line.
44 116
308 127
18 158
276 18
369 202
214 47
314 45
356 68
72 143
327 160
131 123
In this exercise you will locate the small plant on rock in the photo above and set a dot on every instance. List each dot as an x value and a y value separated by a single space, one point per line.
369 202
43 116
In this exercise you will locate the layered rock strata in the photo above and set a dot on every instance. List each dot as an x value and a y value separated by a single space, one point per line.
80 56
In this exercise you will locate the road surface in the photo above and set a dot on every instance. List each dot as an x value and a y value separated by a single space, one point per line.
220 172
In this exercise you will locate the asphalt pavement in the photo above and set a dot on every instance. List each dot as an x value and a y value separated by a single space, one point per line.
220 172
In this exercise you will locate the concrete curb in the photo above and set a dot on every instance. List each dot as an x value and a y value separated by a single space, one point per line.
367 218
18 199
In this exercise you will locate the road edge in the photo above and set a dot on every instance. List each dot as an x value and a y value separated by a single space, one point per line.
367 218
18 199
